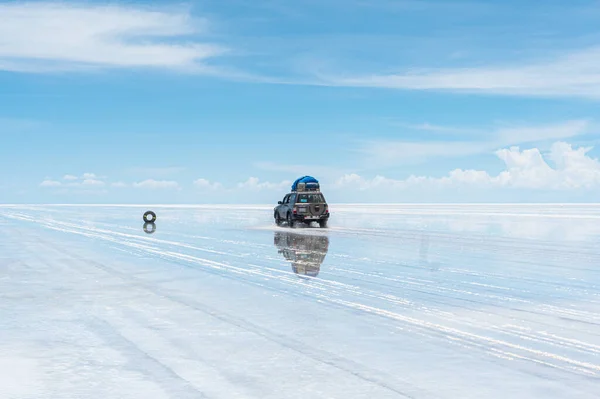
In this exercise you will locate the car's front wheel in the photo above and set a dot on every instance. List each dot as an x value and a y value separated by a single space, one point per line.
278 220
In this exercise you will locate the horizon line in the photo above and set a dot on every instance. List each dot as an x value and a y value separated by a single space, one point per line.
330 203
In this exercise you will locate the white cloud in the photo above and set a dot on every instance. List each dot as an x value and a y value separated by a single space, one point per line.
157 184
573 74
253 183
573 169
87 181
119 184
91 178
206 184
40 37
384 152
50 183
92 182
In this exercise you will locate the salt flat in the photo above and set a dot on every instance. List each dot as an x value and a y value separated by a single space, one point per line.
391 301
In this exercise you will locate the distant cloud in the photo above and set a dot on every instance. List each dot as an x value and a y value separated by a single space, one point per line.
253 183
206 184
574 169
575 74
50 183
85 176
387 152
86 181
92 182
157 184
45 37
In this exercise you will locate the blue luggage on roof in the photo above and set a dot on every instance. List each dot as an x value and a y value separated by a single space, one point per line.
308 180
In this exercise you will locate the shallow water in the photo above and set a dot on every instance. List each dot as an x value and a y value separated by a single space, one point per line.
390 301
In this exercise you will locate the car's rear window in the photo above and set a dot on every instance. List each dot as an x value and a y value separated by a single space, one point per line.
310 198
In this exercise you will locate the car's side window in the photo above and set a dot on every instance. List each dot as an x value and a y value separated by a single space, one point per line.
293 198
285 199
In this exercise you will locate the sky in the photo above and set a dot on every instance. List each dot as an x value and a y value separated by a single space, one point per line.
230 101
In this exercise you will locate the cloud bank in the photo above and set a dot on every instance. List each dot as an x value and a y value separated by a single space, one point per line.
563 168
71 181
573 169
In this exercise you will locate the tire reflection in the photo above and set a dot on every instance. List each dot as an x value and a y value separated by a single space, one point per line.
149 228
305 252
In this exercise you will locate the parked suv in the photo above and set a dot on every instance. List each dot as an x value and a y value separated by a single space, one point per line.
302 206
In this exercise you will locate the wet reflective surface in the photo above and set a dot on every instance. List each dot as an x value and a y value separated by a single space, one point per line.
417 301
149 228
306 253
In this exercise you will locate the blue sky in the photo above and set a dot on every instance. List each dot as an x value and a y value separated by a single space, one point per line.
228 101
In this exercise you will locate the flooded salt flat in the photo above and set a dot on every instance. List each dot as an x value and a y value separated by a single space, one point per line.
390 301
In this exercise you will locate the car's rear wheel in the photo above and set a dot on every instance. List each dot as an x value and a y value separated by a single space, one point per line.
290 220
323 223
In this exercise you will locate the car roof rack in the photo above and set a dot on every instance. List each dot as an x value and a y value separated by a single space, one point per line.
307 187
316 190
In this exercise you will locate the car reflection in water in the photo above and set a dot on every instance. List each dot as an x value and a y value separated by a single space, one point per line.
305 252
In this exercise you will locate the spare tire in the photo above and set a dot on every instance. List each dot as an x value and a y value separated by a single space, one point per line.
317 209
149 217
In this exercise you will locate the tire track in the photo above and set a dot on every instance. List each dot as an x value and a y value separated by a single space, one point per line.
572 365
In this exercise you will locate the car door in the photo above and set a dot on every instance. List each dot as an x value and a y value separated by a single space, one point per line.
288 204
281 209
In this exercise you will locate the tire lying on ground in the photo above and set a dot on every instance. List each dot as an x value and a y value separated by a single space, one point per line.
149 217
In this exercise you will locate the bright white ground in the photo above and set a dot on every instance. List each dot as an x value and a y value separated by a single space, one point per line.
416 301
